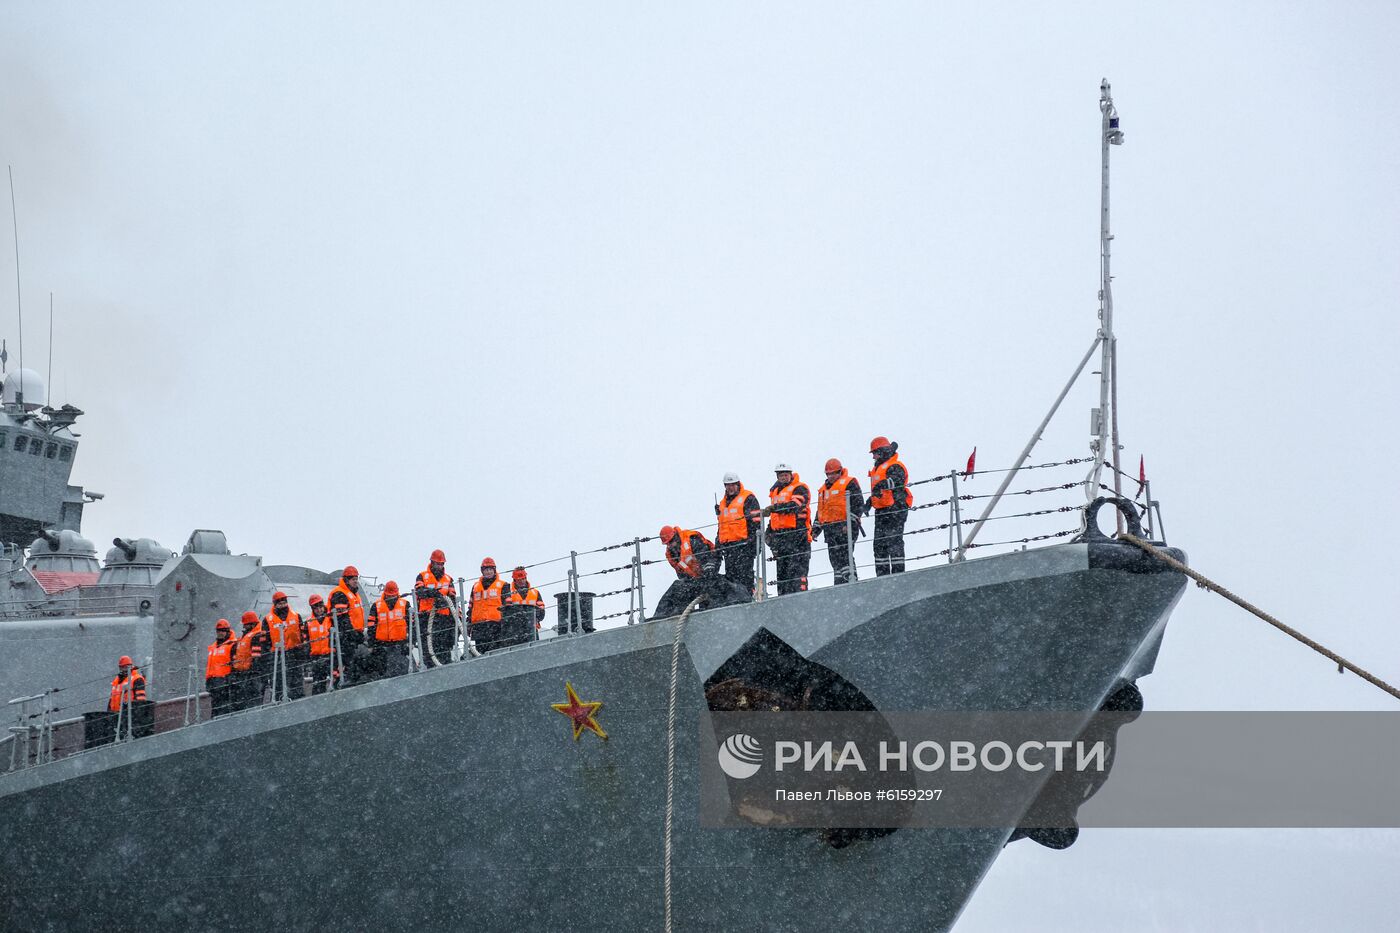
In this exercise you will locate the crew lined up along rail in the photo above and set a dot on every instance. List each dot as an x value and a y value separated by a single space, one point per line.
841 506
348 640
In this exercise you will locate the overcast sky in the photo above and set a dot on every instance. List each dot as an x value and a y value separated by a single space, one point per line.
354 282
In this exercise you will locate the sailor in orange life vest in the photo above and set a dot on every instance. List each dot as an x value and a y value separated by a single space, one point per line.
348 610
737 534
436 595
285 634
129 689
890 500
789 529
319 626
522 592
489 593
250 657
839 499
388 629
218 669
696 563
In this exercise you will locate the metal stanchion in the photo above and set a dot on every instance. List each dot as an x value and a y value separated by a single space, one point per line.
121 705
189 692
21 731
637 562
955 519
415 642
762 558
46 729
279 668
850 541
336 659
574 607
125 713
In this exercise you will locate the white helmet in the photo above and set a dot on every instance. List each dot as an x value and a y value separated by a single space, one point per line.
782 468
731 478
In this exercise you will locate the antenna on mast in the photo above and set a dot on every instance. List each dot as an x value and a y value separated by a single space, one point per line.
51 341
1103 421
19 298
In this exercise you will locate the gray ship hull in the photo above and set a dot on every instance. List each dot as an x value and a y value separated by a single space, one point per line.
457 798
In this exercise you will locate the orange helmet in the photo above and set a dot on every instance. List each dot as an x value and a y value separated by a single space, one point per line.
351 571
278 595
315 600
437 557
667 533
833 466
519 574
488 562
250 618
879 442
222 626
124 661
391 588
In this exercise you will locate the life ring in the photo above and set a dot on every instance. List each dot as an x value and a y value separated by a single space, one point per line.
1091 518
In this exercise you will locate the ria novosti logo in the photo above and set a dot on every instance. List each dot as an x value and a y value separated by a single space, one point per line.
741 756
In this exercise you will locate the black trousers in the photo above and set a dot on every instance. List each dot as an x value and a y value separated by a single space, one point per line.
889 541
393 656
220 694
249 687
486 634
320 669
353 669
442 638
838 551
794 554
737 557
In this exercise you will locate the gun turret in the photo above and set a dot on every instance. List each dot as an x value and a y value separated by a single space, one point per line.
127 548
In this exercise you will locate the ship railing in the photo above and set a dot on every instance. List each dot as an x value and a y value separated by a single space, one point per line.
1028 526
51 721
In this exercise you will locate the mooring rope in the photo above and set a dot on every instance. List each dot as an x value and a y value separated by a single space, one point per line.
1341 662
671 752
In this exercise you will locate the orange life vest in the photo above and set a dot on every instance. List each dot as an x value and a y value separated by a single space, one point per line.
786 521
486 600
292 627
248 650
220 663
530 597
391 624
356 608
885 498
831 500
128 690
733 524
686 562
443 586
318 632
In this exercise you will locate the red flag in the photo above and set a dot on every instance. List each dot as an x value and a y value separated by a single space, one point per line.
971 464
1142 476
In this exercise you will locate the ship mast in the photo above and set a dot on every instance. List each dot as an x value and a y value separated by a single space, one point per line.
1104 419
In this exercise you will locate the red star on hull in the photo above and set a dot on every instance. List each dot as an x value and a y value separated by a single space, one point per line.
581 714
